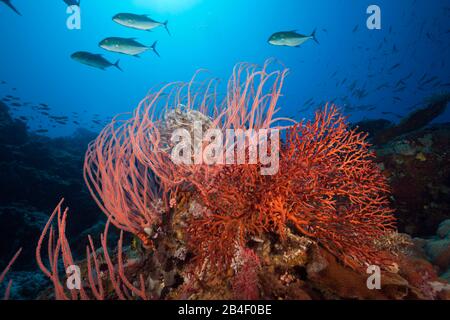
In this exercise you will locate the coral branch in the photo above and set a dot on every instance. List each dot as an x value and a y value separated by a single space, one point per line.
5 271
94 283
327 188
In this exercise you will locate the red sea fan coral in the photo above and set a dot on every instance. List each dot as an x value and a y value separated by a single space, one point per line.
332 188
245 282
327 188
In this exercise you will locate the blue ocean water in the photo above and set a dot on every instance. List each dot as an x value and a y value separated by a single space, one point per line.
370 74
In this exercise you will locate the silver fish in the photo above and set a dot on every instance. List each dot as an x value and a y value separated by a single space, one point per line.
290 38
139 21
72 2
94 60
9 4
127 46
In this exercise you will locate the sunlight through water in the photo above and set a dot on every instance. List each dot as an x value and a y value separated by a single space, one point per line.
166 6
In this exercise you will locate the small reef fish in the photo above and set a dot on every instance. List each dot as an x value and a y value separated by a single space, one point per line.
290 38
427 81
423 77
94 60
140 22
72 2
353 85
9 4
60 118
408 76
395 66
128 46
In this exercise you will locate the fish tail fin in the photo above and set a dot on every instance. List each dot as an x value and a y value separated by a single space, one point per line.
165 26
153 47
9 4
117 65
313 35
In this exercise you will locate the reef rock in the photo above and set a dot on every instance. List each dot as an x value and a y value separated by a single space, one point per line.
418 168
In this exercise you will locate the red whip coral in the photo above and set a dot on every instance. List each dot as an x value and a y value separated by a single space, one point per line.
250 103
125 190
95 282
4 272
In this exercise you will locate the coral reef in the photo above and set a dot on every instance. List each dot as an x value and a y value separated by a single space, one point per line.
417 166
202 231
94 273
28 161
327 188
296 268
437 249
226 231
435 106
12 132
